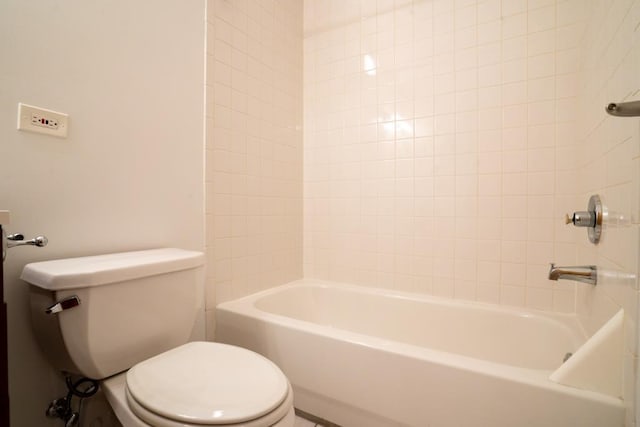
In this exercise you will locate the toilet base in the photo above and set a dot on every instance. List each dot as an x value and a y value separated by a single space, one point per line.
114 390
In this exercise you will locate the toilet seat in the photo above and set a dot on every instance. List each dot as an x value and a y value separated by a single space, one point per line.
270 419
208 384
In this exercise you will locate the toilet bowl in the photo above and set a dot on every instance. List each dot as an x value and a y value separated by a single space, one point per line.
128 320
202 384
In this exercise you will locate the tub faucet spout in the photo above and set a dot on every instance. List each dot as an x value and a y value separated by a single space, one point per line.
586 273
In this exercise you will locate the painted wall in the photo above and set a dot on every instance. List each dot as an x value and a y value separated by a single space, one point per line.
608 163
254 147
130 174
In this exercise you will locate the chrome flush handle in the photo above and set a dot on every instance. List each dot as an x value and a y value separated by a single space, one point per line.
65 304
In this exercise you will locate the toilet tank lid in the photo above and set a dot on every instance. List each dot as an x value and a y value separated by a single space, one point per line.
103 269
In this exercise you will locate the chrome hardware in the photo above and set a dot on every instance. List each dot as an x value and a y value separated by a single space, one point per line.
17 239
56 408
581 219
72 420
591 219
65 304
586 274
624 109
39 241
62 408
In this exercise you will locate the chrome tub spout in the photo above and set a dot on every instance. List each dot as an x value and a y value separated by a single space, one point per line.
586 273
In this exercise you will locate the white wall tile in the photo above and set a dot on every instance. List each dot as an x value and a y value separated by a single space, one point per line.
511 7
465 133
606 49
254 145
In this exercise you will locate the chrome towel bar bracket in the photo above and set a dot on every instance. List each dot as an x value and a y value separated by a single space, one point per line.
624 109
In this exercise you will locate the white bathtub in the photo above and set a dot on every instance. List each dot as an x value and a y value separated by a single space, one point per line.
369 357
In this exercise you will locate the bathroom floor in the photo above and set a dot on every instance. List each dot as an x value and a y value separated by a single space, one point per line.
305 419
301 422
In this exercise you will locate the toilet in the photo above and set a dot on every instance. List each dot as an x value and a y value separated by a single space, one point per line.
128 320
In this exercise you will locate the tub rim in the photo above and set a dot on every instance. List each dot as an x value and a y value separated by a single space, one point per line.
533 377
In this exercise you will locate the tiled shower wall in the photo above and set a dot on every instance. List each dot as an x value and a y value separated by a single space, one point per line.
253 146
608 159
439 146
443 142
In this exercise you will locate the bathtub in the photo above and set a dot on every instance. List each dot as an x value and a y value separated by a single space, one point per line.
359 356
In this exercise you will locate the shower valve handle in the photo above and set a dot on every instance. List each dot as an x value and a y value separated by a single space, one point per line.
581 219
592 219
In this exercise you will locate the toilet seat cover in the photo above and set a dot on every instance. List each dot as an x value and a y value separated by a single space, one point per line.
208 383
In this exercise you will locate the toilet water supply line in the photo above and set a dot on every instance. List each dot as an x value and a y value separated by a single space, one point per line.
62 408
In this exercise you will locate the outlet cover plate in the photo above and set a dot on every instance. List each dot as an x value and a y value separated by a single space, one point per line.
41 120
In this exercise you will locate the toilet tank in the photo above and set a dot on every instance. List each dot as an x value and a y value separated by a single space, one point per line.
132 306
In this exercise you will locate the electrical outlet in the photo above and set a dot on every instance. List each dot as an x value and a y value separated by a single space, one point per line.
41 120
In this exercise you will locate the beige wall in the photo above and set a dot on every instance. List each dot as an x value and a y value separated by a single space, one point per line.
609 165
254 146
129 176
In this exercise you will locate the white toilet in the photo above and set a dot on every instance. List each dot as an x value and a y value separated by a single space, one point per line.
127 319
